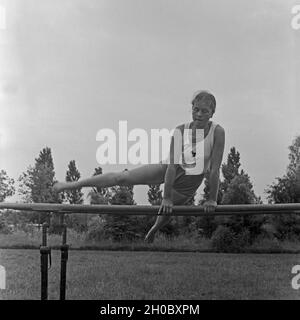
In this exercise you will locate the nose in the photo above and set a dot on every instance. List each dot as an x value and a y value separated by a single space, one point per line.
199 113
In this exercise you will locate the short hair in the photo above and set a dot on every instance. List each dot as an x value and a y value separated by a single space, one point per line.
206 97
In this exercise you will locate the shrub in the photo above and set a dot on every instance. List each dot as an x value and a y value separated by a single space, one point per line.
267 243
207 225
286 226
4 227
96 230
224 239
268 231
77 222
123 228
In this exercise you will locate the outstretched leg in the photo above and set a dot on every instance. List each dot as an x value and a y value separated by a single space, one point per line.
147 174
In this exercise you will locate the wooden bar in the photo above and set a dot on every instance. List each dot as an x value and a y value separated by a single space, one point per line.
244 209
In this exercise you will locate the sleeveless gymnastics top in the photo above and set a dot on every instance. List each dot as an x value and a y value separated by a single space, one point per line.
195 160
196 155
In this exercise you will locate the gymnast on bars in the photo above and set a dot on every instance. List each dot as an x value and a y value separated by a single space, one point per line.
185 169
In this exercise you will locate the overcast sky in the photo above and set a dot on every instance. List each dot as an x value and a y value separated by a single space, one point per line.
71 67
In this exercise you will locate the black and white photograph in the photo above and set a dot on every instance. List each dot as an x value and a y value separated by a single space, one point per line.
149 151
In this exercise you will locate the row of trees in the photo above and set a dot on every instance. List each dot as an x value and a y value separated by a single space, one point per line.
235 188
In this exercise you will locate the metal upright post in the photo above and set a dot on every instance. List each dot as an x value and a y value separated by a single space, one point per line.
64 258
44 252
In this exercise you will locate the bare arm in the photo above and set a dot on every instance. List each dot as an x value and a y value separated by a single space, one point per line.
169 181
216 160
174 158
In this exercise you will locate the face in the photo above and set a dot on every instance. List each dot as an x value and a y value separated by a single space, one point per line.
201 113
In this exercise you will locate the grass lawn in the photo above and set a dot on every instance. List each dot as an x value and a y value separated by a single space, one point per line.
153 275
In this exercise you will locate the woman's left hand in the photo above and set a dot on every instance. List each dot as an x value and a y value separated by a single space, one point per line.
209 206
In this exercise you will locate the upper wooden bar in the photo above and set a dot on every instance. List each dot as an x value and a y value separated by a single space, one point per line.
242 209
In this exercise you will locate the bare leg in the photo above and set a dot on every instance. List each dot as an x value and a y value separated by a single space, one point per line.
162 220
147 174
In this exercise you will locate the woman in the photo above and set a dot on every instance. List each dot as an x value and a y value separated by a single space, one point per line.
185 169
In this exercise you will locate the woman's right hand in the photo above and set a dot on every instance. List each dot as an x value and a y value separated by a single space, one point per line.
166 207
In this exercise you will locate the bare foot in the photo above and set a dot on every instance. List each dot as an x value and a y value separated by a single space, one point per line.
59 186
150 237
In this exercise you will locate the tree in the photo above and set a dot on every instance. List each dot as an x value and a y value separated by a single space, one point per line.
99 195
76 221
122 194
230 169
283 190
287 190
294 156
6 186
36 184
97 222
122 227
104 192
73 196
236 188
154 194
240 191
